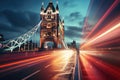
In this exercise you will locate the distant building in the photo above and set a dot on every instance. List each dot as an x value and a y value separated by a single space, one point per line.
72 45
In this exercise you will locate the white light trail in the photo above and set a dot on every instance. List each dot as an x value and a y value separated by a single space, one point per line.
105 33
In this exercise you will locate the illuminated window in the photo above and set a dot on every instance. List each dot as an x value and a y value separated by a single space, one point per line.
49 16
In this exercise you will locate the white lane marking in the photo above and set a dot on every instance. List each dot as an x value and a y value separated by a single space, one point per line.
47 66
25 78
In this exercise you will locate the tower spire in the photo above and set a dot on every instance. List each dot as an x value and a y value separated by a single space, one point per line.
42 7
42 3
57 8
63 20
50 1
56 1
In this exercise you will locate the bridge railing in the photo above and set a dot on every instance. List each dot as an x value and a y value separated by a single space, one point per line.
17 42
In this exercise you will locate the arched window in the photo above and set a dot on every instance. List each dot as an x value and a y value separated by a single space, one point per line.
49 16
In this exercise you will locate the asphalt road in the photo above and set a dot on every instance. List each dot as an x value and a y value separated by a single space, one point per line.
46 65
51 65
100 65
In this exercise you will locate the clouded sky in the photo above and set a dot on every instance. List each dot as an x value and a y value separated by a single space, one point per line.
19 16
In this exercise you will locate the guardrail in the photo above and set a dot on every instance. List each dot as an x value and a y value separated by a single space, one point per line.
77 71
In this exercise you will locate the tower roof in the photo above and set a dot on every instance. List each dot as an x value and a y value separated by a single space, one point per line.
51 6
42 7
57 8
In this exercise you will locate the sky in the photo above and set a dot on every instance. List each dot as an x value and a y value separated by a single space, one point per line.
19 16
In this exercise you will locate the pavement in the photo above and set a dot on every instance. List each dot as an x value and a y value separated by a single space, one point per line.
45 65
60 65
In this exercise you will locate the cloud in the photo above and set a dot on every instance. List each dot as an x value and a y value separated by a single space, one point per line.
31 5
73 32
74 16
17 22
75 28
19 18
81 23
7 27
68 3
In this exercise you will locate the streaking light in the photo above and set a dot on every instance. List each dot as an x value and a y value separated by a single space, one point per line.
107 32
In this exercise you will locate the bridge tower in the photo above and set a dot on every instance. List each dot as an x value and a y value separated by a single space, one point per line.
51 27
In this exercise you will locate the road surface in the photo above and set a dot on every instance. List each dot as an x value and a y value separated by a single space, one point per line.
59 64
100 65
45 65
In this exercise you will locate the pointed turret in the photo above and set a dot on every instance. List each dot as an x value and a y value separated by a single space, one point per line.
50 6
57 8
42 10
42 7
62 20
63 23
50 1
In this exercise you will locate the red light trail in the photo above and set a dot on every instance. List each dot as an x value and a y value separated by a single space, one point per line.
46 62
105 34
99 55
96 66
116 2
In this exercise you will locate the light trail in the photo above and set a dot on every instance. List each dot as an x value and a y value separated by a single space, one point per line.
21 64
95 68
109 69
115 41
116 2
63 59
23 61
89 72
107 32
97 10
51 62
86 20
104 35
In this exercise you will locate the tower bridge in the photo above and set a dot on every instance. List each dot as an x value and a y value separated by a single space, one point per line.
51 29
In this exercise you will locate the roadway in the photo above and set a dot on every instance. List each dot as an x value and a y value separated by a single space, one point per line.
100 65
45 65
58 65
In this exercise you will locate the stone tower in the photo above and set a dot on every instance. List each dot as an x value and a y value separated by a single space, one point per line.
49 27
